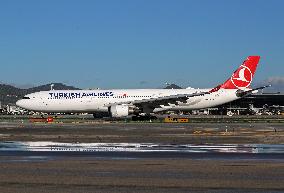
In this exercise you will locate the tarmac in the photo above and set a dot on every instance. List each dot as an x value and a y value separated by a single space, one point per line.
141 157
76 174
120 132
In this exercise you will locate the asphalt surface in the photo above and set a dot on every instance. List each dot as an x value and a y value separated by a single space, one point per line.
77 174
193 157
105 132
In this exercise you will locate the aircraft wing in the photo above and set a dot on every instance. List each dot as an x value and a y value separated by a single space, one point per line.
157 102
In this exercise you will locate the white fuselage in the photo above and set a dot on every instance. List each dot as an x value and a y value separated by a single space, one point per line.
91 101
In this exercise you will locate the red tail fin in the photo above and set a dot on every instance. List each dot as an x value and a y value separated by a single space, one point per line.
243 76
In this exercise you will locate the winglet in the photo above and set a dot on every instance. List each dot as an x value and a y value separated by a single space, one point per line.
242 77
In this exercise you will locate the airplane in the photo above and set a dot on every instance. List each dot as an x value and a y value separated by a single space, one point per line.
136 102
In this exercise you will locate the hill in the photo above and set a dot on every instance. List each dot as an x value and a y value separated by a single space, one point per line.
172 86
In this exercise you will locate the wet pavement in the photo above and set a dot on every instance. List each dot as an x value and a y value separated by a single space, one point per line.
54 150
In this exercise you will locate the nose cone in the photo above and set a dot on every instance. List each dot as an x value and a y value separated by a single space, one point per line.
21 103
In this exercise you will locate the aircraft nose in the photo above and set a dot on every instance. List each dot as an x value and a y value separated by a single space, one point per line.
20 103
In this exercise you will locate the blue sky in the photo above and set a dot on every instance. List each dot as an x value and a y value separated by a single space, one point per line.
138 43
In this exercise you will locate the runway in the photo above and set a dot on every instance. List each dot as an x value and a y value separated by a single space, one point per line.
161 133
140 157
120 172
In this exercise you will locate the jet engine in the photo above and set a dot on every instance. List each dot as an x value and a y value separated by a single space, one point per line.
120 110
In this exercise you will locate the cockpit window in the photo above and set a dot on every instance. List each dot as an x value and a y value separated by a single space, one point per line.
26 97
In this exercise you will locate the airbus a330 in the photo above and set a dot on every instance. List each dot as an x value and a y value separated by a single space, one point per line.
125 102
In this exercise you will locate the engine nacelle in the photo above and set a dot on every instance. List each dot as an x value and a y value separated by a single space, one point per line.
119 111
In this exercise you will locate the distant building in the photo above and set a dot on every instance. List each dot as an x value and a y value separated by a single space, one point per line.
255 103
14 110
259 100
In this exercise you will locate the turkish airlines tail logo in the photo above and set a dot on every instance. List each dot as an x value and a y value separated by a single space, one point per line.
243 76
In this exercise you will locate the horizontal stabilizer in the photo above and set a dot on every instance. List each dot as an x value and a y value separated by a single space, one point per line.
241 93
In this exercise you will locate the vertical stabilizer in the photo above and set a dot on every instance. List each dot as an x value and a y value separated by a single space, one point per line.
242 77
